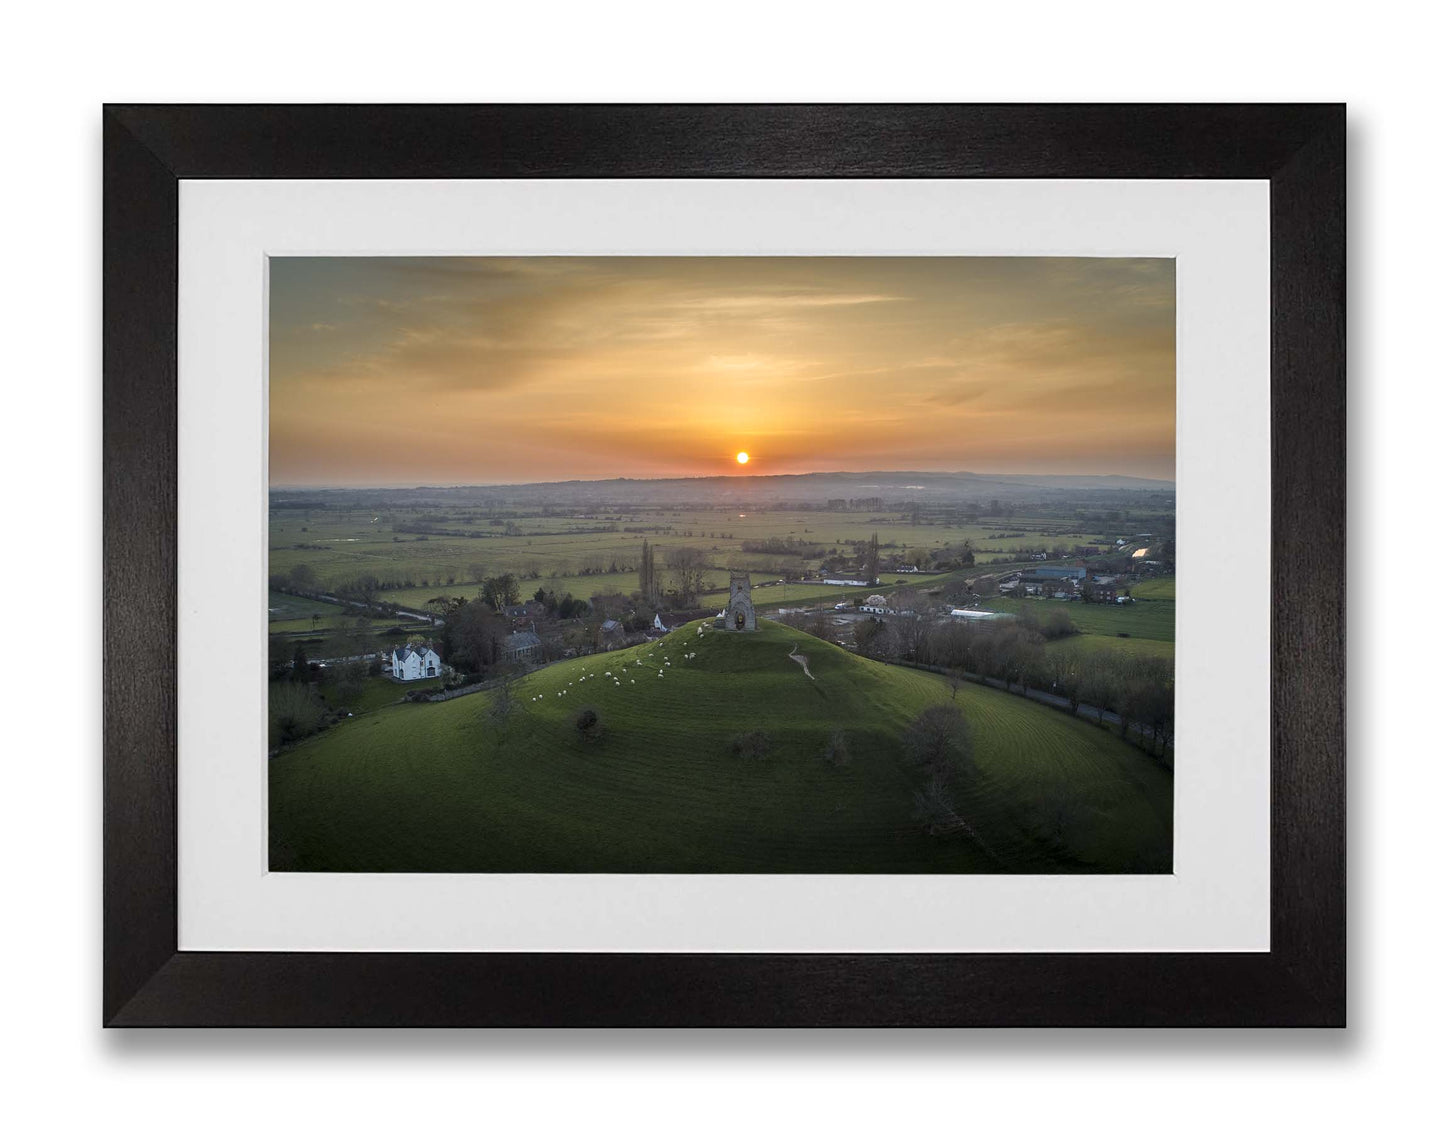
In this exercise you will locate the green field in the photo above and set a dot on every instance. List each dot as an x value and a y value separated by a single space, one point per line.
448 788
1089 644
1152 619
588 554
291 614
378 693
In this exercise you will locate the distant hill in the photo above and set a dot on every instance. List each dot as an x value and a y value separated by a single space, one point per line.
445 788
813 488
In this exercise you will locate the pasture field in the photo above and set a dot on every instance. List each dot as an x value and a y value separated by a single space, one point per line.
1152 620
378 693
291 614
406 548
1088 644
451 788
1154 589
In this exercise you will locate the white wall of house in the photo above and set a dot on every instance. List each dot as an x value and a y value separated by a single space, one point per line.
414 665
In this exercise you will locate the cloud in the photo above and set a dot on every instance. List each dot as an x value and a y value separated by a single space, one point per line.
535 364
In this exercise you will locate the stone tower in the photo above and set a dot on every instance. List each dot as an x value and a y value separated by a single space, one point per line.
739 614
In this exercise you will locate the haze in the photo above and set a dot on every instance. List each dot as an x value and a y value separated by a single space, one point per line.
404 371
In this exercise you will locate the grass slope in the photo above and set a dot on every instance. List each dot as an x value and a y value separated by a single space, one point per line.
445 788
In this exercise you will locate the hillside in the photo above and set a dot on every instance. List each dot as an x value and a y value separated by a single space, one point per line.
446 787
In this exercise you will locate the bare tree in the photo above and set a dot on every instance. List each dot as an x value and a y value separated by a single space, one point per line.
933 806
688 567
939 741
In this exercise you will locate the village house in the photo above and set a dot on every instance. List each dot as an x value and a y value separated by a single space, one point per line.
412 663
524 645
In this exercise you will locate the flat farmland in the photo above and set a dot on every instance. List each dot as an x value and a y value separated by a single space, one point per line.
581 554
1087 645
1152 620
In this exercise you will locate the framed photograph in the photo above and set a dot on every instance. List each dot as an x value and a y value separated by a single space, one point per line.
724 565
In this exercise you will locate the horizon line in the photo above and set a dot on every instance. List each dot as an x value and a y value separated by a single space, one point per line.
1172 482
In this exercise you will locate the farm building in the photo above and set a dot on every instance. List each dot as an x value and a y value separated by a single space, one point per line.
1035 574
412 663
970 614
522 646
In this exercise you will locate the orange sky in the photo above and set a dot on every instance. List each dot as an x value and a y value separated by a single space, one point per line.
477 370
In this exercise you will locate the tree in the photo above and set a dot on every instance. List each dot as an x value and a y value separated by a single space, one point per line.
501 590
688 567
443 605
293 713
588 724
302 577
472 638
939 741
870 637
868 560
933 806
300 671
910 634
647 574
346 681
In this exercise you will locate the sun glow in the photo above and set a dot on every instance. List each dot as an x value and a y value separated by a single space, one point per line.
742 457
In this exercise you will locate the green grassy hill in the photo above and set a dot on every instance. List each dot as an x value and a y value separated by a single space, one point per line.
448 788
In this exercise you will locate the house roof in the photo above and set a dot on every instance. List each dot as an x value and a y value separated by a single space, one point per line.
521 640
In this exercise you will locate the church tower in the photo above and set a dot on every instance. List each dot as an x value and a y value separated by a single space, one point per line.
739 614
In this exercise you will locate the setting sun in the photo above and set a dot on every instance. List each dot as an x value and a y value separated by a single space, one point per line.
742 457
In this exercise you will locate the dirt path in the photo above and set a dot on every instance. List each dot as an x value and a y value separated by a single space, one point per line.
801 660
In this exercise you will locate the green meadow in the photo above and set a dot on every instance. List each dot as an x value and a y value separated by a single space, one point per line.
1152 620
455 787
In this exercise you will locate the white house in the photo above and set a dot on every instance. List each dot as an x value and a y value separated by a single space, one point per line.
415 663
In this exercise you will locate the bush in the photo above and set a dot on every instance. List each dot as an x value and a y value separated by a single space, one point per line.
751 745
295 712
588 724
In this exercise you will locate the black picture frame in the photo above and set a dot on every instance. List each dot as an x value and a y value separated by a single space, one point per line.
1299 149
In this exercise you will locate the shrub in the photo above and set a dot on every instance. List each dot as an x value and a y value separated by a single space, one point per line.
751 745
588 724
295 711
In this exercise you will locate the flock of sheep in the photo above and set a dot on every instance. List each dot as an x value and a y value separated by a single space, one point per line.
687 655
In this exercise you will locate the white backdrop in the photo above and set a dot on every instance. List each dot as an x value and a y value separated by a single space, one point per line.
65 61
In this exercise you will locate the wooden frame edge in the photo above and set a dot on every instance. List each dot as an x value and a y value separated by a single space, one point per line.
148 982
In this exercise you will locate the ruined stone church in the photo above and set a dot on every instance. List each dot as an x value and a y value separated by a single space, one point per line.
739 614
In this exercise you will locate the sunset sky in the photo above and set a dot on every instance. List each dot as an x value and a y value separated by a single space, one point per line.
479 370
